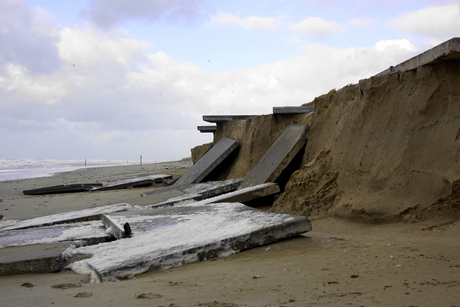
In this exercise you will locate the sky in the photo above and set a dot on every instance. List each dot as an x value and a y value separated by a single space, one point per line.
116 79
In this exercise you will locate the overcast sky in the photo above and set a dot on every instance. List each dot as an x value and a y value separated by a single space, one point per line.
115 79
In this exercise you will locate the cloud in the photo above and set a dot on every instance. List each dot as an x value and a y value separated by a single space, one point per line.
26 37
317 26
251 22
110 98
108 13
441 22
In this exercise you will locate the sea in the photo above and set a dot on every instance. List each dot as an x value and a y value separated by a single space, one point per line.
14 169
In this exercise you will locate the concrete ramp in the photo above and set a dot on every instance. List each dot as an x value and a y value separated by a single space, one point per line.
216 155
183 234
278 156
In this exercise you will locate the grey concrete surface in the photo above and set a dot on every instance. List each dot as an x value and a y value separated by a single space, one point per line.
278 157
211 159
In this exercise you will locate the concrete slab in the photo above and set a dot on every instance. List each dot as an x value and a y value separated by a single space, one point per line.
278 156
224 118
63 188
61 218
247 194
242 196
292 110
207 129
449 50
202 191
211 159
32 259
186 233
88 232
134 182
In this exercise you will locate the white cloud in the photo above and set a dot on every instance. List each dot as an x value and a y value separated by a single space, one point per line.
108 98
440 22
251 22
317 26
26 31
395 44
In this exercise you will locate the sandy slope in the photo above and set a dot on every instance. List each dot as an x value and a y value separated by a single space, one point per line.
338 263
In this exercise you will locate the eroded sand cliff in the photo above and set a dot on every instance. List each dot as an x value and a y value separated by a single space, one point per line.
383 149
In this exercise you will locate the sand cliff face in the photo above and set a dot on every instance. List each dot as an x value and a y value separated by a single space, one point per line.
383 149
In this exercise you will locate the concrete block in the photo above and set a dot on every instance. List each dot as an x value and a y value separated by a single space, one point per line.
32 259
216 155
186 233
292 110
277 157
118 231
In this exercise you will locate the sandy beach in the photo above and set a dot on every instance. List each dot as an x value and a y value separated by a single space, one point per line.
338 263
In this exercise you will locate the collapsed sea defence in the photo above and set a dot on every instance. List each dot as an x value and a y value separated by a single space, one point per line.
384 149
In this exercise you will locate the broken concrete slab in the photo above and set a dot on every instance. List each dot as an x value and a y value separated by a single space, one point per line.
88 232
288 110
186 233
248 194
211 159
225 118
32 259
207 129
172 194
241 196
278 157
64 188
196 191
66 217
118 231
134 182
449 50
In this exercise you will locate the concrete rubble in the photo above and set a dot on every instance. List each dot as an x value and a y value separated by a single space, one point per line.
188 221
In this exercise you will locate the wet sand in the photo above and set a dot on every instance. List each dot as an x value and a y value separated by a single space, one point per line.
338 263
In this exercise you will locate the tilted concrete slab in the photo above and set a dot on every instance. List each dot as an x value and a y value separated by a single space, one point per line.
66 217
292 110
211 159
200 191
88 232
207 129
248 194
225 118
32 259
242 196
186 233
449 50
278 157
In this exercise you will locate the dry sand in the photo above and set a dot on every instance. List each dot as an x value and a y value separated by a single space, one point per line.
338 263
